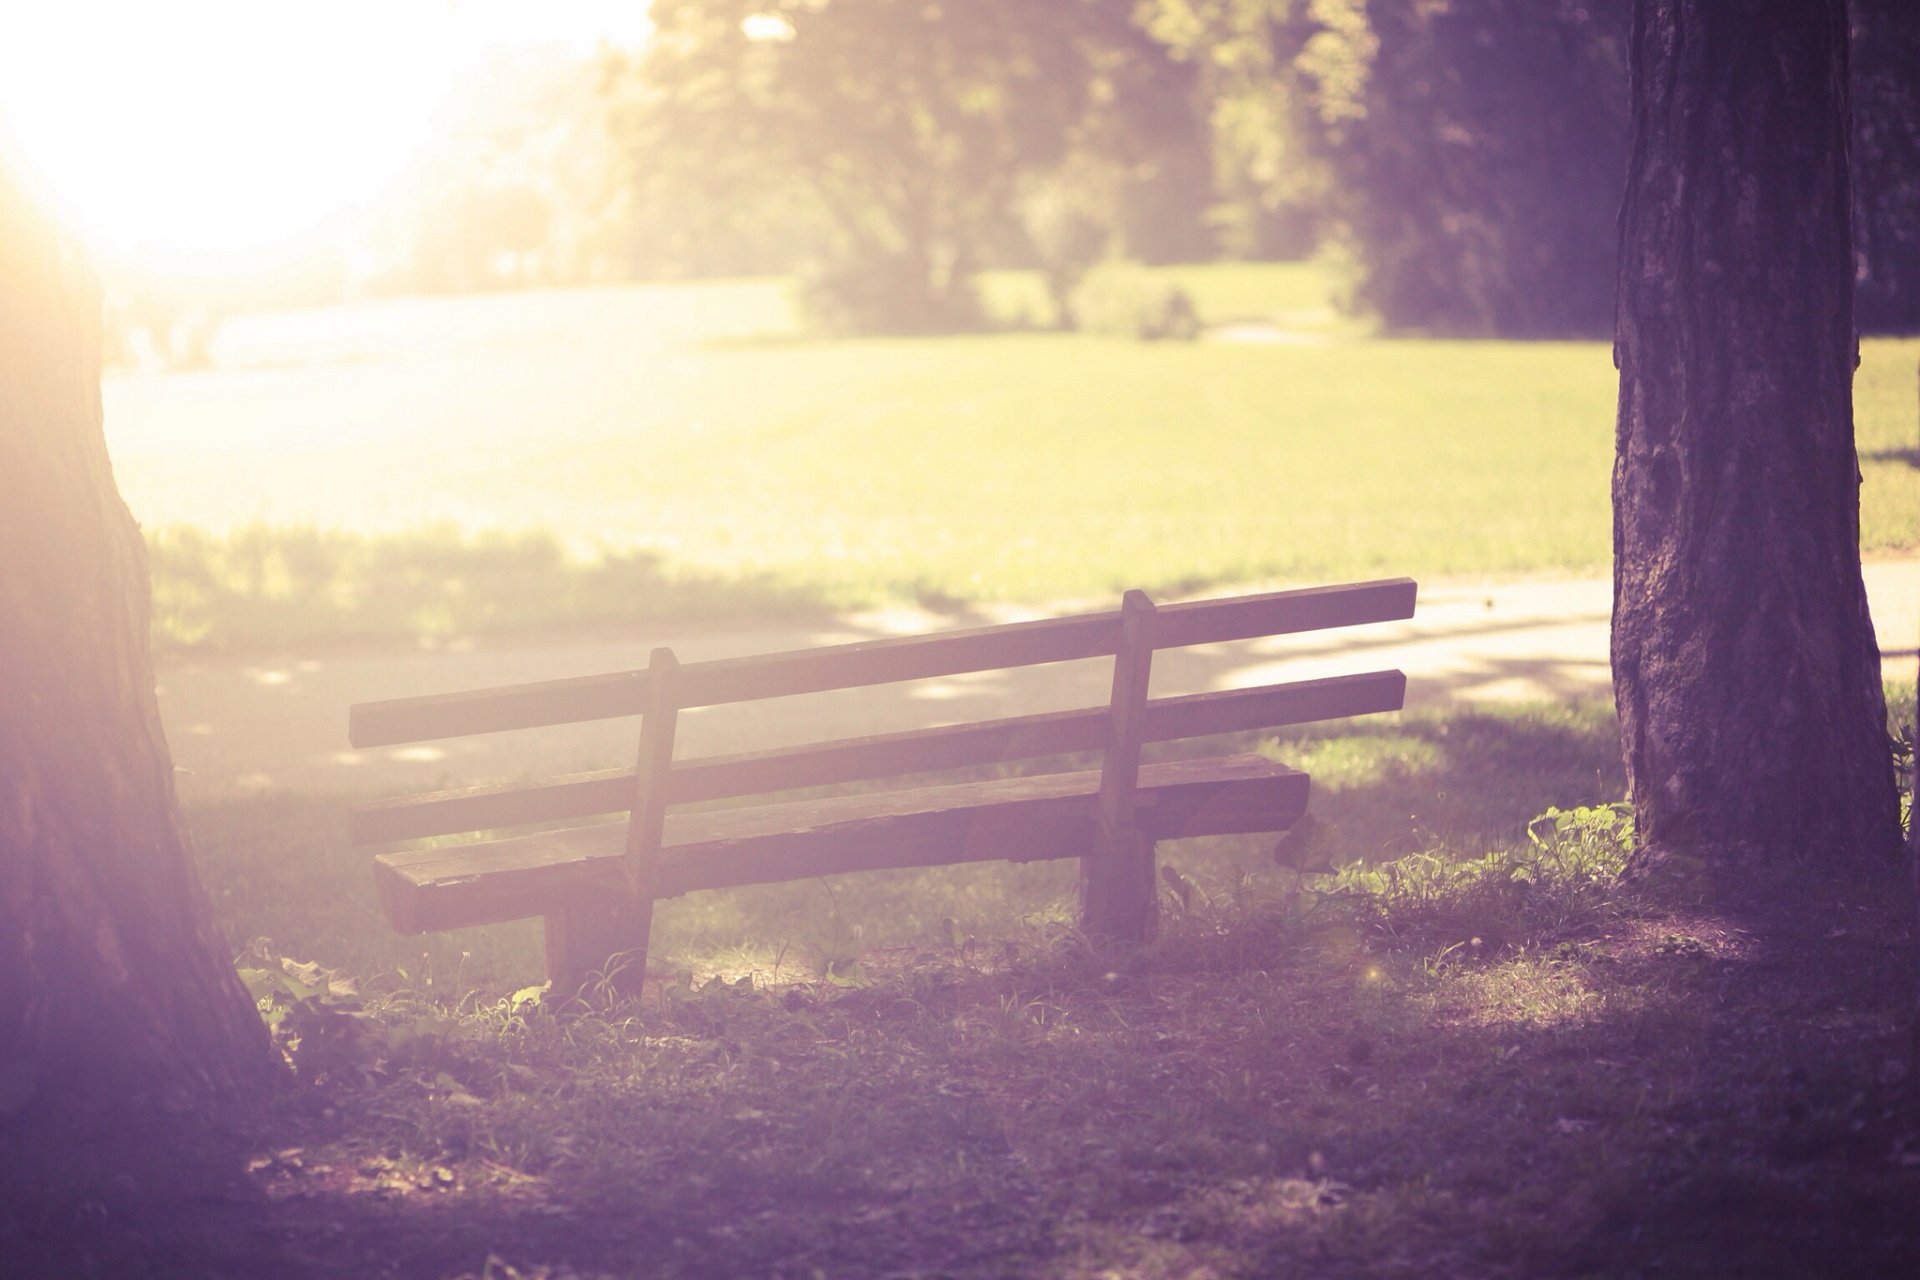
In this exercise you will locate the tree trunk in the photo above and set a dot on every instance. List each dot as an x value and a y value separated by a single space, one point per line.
115 986
1744 662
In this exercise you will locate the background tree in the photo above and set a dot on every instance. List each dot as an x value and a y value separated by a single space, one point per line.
1145 120
1886 162
1273 193
115 987
1745 667
1464 157
903 127
1478 161
892 148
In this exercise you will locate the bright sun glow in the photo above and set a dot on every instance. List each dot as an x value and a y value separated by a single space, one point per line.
216 126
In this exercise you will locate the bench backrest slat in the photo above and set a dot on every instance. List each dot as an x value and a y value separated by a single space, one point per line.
870 662
879 756
1279 613
724 680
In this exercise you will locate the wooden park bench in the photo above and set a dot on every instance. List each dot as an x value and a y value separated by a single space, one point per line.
596 885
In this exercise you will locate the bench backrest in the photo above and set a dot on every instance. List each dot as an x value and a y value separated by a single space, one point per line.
1130 634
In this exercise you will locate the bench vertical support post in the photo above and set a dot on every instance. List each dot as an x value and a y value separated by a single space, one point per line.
583 938
1118 897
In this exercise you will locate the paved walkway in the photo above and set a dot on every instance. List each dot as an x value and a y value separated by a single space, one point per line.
252 727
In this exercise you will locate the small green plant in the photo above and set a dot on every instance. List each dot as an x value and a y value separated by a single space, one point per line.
1590 841
1903 772
1531 895
314 1014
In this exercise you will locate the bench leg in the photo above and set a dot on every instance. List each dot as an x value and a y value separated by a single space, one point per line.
599 941
1119 900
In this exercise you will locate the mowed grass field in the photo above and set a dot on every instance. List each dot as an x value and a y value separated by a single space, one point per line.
696 442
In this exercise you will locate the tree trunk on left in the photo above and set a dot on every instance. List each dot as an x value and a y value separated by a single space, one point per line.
116 989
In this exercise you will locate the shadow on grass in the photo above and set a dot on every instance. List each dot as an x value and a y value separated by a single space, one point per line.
1659 1093
264 588
1911 457
1463 781
1611 1085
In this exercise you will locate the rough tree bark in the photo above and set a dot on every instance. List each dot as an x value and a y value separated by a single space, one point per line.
115 987
1744 661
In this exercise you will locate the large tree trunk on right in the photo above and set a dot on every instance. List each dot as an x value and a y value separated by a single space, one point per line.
116 990
1745 667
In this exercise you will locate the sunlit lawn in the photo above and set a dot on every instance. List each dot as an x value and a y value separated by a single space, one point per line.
695 429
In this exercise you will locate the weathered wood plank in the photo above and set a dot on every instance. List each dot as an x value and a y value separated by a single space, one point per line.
772 675
1015 819
880 756
588 942
583 935
1278 613
869 662
491 710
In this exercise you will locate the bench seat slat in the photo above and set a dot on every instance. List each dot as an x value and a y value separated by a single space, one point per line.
885 755
1013 819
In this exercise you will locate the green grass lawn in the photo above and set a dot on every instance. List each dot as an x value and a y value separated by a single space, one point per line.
720 461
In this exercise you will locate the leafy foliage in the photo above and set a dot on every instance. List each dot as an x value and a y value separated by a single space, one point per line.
1560 884
1886 162
900 129
1466 156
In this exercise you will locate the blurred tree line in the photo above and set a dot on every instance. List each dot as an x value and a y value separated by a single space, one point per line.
892 148
1459 161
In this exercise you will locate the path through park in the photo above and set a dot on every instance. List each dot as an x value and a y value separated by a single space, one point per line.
262 726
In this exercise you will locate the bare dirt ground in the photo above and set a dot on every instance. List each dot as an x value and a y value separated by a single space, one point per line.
258 726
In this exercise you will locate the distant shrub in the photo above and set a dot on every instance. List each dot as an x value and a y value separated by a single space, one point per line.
885 293
1069 216
1124 299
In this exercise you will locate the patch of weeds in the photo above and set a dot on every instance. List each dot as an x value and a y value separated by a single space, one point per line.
314 1014
1561 883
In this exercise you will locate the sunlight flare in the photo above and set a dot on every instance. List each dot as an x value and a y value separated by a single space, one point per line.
220 126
